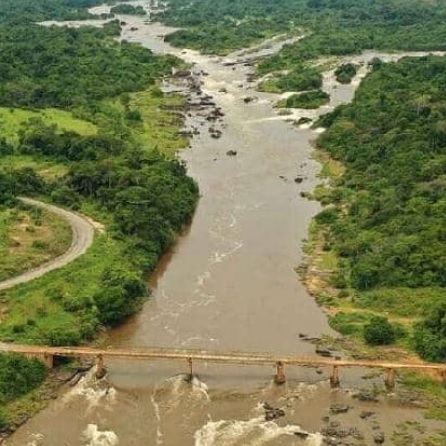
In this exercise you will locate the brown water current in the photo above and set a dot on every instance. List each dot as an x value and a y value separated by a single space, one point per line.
228 284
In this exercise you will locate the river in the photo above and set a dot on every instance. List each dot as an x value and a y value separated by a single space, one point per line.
228 284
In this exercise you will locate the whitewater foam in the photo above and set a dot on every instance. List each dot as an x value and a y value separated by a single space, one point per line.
94 437
95 392
254 432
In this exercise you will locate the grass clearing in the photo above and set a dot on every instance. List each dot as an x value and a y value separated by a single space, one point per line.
149 116
11 120
30 237
47 168
160 123
331 168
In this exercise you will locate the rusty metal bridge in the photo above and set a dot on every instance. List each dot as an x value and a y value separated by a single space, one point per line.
47 355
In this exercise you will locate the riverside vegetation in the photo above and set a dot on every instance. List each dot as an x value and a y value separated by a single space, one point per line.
385 217
75 131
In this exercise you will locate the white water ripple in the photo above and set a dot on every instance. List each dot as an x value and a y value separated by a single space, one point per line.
94 437
254 432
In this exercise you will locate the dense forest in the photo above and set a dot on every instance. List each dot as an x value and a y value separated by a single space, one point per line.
40 10
333 26
388 215
37 69
329 27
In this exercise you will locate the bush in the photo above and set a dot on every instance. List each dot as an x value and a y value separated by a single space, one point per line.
430 335
345 73
309 100
18 376
379 331
62 336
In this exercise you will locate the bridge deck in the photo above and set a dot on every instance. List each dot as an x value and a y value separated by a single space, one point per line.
213 357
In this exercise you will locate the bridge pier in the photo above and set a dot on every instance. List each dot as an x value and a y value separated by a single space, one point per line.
100 367
442 375
389 380
48 360
191 370
334 377
280 374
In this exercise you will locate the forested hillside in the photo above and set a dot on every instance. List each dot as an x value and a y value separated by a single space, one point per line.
388 215
40 10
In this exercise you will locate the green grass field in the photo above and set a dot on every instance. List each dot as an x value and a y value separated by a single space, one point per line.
160 119
11 120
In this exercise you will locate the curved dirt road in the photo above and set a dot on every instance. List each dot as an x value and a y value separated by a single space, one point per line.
83 234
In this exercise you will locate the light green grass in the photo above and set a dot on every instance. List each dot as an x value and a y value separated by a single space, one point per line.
11 120
159 121
161 118
47 168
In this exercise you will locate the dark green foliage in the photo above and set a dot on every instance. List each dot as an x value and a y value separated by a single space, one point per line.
379 331
22 181
18 376
430 334
121 291
20 11
333 27
128 9
66 67
308 100
345 73
327 216
7 188
392 140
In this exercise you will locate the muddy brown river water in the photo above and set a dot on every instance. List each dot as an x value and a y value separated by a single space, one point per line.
228 284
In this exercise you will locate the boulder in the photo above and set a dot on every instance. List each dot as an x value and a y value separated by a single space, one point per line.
339 408
379 438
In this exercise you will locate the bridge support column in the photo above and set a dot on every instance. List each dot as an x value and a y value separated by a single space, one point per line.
48 359
280 374
100 367
389 380
442 375
191 369
334 377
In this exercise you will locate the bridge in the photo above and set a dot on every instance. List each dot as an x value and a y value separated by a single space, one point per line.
47 355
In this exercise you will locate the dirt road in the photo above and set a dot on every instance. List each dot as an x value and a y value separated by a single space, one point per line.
83 234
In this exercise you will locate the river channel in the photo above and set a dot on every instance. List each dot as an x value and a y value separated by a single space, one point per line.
228 284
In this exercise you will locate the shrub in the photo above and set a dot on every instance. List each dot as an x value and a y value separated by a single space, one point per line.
379 331
430 335
18 376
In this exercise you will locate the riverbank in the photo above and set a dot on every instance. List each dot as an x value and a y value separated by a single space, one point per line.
329 270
